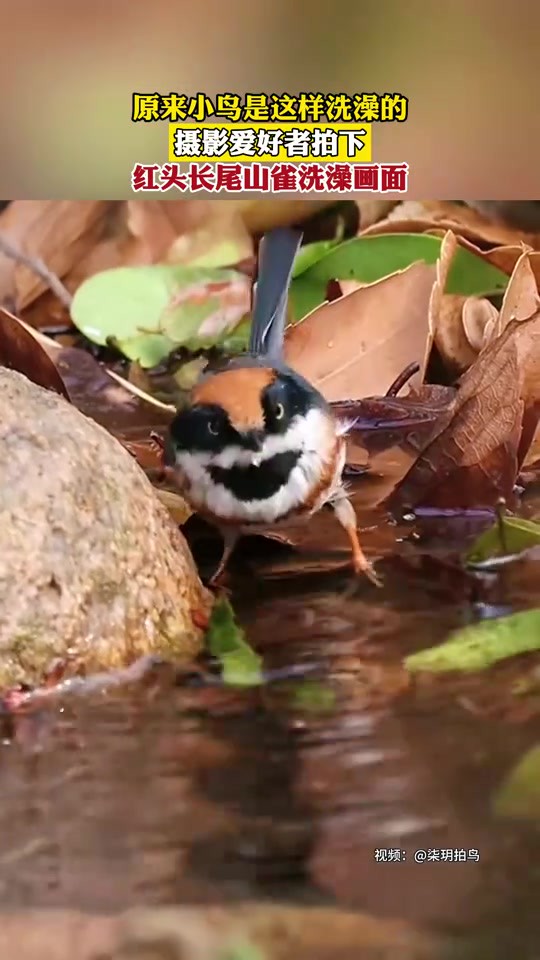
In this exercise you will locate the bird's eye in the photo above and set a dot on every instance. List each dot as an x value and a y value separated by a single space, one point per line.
213 428
279 411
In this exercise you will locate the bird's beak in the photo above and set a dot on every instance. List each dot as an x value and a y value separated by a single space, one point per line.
255 440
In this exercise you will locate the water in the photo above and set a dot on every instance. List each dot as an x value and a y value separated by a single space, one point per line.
181 793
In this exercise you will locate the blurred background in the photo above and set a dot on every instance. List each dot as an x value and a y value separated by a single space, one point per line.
71 69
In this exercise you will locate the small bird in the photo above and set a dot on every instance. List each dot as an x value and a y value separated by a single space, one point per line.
257 446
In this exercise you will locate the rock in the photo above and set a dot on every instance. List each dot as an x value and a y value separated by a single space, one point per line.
91 565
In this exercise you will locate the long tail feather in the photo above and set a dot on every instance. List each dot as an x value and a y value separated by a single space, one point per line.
277 251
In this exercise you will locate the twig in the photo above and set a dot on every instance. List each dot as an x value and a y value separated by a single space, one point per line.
38 267
137 392
402 379
500 511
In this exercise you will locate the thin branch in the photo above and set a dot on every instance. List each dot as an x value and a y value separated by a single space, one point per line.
400 381
137 392
38 267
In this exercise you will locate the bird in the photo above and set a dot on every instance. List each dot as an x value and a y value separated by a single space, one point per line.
257 446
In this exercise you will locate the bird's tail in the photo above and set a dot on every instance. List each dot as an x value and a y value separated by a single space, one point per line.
277 251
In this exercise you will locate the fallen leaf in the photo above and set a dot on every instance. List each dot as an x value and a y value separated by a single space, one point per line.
107 398
240 664
310 254
428 215
479 319
521 295
373 210
149 311
357 345
190 372
518 797
171 234
530 472
232 298
458 323
474 455
522 215
59 232
445 313
20 350
225 243
149 221
462 326
406 422
242 949
311 696
191 216
179 510
367 259
481 645
505 257
507 537
116 251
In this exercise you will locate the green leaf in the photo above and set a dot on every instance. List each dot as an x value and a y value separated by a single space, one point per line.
482 644
241 666
368 259
151 310
238 339
517 535
518 797
243 950
310 696
225 252
310 254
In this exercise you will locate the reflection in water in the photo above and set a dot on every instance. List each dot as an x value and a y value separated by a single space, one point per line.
195 794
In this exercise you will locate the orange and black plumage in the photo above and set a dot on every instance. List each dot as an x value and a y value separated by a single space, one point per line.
258 445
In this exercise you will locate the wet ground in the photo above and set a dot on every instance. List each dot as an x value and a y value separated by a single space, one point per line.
177 792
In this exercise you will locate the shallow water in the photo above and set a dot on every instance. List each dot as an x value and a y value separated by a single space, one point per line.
177 792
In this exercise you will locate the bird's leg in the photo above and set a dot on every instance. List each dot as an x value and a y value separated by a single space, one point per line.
230 538
346 516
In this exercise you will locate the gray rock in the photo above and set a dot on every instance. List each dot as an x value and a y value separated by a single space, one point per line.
91 566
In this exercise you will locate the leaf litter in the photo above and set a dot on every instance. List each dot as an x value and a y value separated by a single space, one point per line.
403 295
481 645
409 419
474 456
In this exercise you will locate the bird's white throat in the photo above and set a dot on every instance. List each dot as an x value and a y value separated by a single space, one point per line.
313 435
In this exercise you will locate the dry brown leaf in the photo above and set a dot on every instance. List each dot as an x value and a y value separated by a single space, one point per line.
460 325
357 345
445 314
59 232
227 229
478 227
429 216
521 295
106 255
343 288
154 231
21 350
479 318
181 231
372 211
505 258
150 222
521 214
474 455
